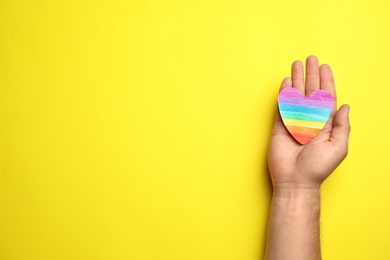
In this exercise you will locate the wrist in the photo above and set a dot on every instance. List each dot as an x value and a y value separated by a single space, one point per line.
296 187
295 193
298 203
296 190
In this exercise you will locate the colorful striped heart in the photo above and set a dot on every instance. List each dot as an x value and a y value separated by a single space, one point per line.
303 116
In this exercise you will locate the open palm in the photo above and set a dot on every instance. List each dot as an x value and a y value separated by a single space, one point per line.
293 165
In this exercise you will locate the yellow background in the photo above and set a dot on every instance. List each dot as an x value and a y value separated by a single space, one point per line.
139 129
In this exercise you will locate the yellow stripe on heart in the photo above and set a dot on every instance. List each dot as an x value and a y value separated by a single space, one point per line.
303 123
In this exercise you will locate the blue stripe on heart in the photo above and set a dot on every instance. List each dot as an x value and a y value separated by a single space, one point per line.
305 109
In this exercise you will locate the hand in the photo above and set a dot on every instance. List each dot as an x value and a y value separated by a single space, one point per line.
296 166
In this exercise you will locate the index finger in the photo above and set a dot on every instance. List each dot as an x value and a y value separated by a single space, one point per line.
327 81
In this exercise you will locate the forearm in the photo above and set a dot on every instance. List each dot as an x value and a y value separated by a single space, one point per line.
293 228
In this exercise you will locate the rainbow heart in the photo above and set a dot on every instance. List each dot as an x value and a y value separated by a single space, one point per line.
304 117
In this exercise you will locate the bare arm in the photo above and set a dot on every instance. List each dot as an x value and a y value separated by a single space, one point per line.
294 225
297 171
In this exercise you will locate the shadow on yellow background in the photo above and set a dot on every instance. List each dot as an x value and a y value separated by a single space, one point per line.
139 129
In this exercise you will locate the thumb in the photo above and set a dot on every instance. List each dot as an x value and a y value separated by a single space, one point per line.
341 128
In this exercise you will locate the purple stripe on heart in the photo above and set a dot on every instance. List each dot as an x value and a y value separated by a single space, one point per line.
316 95
319 98
306 102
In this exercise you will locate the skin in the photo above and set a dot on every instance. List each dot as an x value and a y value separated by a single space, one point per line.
297 171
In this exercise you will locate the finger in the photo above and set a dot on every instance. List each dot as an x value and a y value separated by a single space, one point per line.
297 76
341 129
312 75
327 81
286 83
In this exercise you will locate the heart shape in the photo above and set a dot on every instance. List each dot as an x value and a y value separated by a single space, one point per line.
305 117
